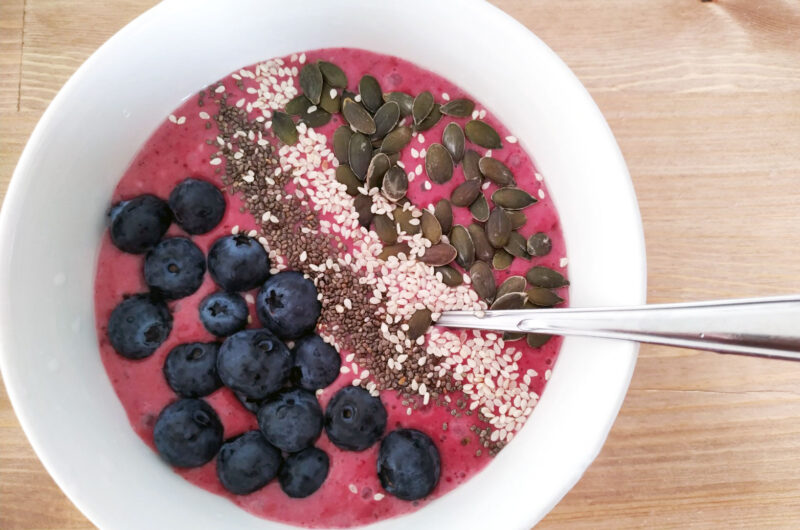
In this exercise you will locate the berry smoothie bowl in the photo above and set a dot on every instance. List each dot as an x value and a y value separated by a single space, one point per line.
245 282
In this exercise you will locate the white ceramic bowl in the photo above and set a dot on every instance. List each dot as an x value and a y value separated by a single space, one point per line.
52 220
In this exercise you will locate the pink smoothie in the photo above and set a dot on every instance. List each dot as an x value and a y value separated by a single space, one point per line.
179 149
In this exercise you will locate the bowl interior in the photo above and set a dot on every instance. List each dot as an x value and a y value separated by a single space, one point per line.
53 216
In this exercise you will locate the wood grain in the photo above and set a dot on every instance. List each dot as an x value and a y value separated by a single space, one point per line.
704 99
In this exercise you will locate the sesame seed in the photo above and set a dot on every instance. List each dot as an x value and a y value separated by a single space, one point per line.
563 262
378 496
511 139
541 194
351 487
445 96
172 118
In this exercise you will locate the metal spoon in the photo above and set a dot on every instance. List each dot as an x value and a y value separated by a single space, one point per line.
762 327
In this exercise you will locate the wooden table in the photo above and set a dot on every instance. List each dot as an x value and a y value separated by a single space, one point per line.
704 99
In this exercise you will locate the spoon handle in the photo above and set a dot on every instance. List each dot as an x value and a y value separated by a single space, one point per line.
763 327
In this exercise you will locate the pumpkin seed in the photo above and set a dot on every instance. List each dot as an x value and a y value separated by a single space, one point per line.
341 143
431 229
330 103
480 208
512 198
465 193
496 171
405 101
422 106
483 250
539 244
512 300
297 105
359 154
385 228
483 280
376 170
371 94
458 108
511 336
386 118
470 166
450 276
346 176
419 323
438 255
453 140
541 297
482 134
444 214
395 250
438 164
516 245
284 128
318 118
537 340
502 260
332 74
403 218
498 228
512 284
518 219
358 117
363 206
432 119
395 141
462 241
311 82
539 276
395 184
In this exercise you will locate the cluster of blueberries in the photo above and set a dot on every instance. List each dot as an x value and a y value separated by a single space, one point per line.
271 380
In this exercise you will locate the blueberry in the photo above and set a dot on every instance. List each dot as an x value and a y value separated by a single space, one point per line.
316 363
354 419
303 473
291 420
408 464
223 313
238 263
138 224
198 206
188 433
254 362
175 268
138 326
191 369
288 305
247 463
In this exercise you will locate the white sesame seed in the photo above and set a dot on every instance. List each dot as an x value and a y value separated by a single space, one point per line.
172 118
408 411
357 98
344 370
511 139
538 176
445 96
220 89
563 262
181 120
541 194
215 161
421 138
378 496
311 109
333 93
351 487
302 60
303 256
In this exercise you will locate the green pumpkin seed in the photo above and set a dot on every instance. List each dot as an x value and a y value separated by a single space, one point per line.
363 206
422 106
431 229
453 140
541 297
346 176
395 141
438 164
483 280
341 143
376 170
483 250
539 276
517 246
450 276
386 119
444 214
462 241
537 340
470 166
512 284
331 100
498 228
482 134
357 116
539 244
395 250
480 209
403 218
318 118
298 105
332 74
438 255
311 82
359 154
512 300
432 119
386 229
371 94
284 128
395 184
465 193
419 323
510 336
496 171
502 260
405 101
512 198
518 219
458 108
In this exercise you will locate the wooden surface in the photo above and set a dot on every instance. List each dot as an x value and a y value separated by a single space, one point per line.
704 99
